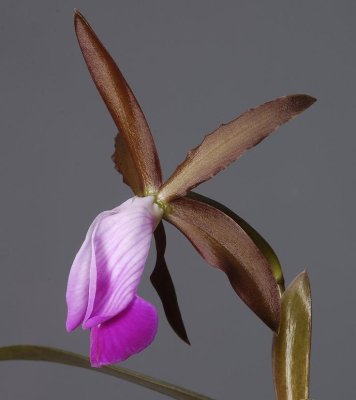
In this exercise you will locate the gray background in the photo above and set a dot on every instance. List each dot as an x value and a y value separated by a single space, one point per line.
192 66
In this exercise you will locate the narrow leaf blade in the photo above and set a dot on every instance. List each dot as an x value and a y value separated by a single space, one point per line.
291 347
229 141
41 353
162 282
122 106
225 245
259 241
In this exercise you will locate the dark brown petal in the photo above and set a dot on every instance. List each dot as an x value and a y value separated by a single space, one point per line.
126 166
291 348
162 282
229 141
225 245
259 241
123 108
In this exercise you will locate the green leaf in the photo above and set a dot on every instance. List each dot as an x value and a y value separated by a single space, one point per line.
162 281
291 347
124 110
229 141
224 244
259 241
41 353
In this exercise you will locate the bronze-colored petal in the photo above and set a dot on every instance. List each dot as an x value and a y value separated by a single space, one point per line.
126 166
229 141
162 282
225 245
259 241
291 348
122 106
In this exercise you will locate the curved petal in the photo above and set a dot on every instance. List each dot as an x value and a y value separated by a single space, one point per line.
229 141
121 244
125 165
124 335
259 241
225 245
162 281
78 281
124 110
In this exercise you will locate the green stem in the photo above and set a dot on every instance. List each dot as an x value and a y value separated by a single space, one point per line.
41 353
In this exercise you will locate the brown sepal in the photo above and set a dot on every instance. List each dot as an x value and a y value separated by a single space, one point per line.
259 241
123 108
229 141
225 245
162 282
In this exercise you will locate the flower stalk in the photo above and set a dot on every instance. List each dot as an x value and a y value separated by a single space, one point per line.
58 356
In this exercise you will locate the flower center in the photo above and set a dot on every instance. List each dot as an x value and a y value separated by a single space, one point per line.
163 206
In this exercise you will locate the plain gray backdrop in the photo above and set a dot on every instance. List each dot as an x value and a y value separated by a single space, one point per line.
192 66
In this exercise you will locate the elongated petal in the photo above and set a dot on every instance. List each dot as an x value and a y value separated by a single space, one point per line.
291 347
121 244
225 245
229 141
125 165
123 108
162 281
78 281
259 241
126 334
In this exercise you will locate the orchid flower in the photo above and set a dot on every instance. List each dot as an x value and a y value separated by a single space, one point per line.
102 286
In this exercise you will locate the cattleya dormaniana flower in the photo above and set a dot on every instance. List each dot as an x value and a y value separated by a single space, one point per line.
102 286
